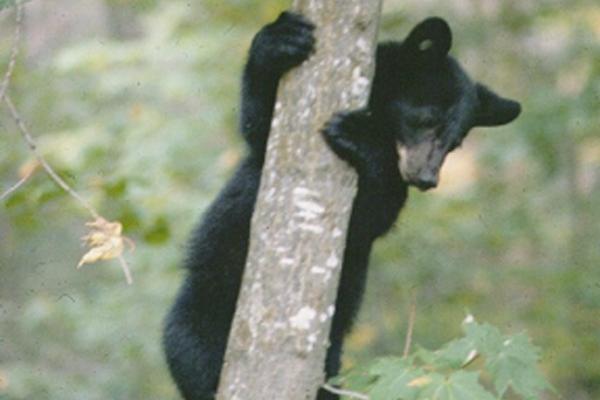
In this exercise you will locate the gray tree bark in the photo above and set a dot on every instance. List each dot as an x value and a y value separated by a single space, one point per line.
279 336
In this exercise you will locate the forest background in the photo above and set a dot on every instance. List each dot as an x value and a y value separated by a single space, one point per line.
135 104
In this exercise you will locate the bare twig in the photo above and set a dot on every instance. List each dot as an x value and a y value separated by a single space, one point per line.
21 125
347 393
411 323
31 143
15 49
6 80
17 185
126 270
33 147
56 178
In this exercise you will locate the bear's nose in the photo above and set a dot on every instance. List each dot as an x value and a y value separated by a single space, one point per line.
426 182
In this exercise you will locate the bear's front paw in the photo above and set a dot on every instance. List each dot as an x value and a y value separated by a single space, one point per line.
283 44
346 124
335 128
342 133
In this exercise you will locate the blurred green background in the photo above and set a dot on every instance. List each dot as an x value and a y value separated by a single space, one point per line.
135 103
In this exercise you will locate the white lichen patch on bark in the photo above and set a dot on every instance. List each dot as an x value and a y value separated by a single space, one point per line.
318 229
333 261
318 270
363 45
325 272
287 261
270 195
308 206
302 320
307 215
275 123
331 310
360 82
311 342
303 192
255 286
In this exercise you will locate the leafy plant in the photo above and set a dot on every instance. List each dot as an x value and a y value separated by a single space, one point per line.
482 365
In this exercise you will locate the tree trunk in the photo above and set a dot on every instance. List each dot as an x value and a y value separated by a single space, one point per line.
280 332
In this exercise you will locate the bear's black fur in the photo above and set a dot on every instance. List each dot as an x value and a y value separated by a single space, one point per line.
421 107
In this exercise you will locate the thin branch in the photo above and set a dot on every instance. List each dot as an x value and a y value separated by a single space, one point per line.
126 270
411 323
15 49
33 147
347 393
17 185
31 143
21 125
6 80
56 178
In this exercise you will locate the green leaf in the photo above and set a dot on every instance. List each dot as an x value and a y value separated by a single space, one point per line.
461 385
388 365
395 375
452 356
47 193
426 356
486 338
357 379
516 365
116 188
511 360
17 198
130 217
159 232
359 383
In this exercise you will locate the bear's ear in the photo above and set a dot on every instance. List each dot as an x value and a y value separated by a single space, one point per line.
494 110
431 39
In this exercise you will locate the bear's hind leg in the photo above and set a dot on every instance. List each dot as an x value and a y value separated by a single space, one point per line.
195 363
332 367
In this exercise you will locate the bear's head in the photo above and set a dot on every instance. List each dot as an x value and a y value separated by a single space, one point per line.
428 102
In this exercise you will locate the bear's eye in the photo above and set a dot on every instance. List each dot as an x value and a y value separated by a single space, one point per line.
422 120
426 44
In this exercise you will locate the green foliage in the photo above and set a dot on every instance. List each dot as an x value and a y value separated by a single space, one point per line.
6 3
10 3
144 126
454 372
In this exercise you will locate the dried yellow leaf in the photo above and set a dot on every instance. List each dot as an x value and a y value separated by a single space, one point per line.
3 380
105 241
418 382
28 168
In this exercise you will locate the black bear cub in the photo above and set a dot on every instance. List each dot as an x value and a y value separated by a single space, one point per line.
421 107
